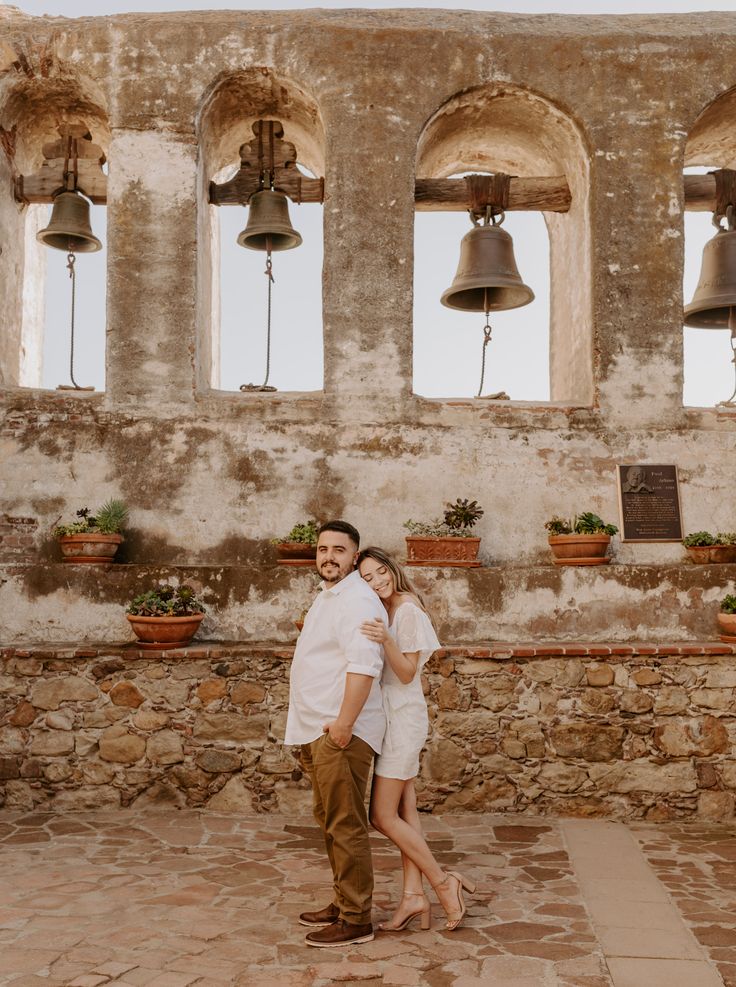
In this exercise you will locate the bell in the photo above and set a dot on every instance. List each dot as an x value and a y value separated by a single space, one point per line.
269 226
715 297
69 227
487 279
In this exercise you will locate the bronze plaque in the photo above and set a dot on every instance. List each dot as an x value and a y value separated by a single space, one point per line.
649 500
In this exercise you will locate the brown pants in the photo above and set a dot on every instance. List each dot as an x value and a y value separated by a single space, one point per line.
339 778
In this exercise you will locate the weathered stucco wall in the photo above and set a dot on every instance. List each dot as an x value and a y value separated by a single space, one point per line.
629 732
211 476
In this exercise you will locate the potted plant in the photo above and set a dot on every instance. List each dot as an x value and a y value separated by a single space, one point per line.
705 548
94 538
449 541
727 619
165 617
580 541
299 547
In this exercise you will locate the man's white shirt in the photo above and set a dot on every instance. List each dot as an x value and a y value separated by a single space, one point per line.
329 646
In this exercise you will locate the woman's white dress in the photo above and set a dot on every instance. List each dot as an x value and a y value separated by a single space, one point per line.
407 723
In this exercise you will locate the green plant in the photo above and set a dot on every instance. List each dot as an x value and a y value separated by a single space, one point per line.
698 539
457 521
107 520
558 526
726 538
166 601
586 523
728 604
305 533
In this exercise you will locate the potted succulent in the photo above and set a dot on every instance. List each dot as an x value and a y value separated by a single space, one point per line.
165 617
446 541
94 538
299 547
727 619
705 548
580 541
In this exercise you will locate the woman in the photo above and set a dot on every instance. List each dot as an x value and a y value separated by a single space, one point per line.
408 643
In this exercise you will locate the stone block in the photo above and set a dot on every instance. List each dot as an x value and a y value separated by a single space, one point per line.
589 741
671 699
59 720
189 777
716 805
233 797
215 762
10 767
448 695
647 676
496 691
32 768
165 747
211 690
234 727
644 776
23 715
150 719
97 773
482 796
700 736
599 675
276 762
246 693
727 772
58 771
96 797
570 674
635 701
558 777
51 693
52 744
722 676
720 699
12 740
444 762
120 746
9 684
126 694
594 701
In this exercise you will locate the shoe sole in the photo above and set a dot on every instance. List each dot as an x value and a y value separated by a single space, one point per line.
346 942
316 925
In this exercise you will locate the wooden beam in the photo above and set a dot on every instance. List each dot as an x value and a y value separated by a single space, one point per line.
700 193
535 194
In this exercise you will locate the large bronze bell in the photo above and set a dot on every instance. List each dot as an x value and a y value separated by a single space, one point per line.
69 228
269 227
487 279
715 297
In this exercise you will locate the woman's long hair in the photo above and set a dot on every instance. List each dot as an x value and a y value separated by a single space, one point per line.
402 584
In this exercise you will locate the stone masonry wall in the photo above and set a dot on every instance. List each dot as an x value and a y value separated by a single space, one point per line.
631 732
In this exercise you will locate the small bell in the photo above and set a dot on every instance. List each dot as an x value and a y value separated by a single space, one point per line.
69 228
269 227
487 279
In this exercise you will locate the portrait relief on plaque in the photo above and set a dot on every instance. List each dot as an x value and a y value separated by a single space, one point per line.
649 502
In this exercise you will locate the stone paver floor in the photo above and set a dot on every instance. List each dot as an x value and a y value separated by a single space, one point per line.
172 898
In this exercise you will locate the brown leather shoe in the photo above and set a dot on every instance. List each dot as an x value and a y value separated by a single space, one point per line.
340 933
325 916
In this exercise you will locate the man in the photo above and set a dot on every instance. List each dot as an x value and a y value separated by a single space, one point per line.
336 714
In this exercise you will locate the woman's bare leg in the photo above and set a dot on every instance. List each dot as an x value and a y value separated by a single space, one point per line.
393 812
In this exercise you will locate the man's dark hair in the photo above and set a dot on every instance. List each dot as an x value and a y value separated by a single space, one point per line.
345 527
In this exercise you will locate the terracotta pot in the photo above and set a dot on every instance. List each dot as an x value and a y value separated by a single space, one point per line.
296 553
89 549
580 549
429 550
708 554
727 626
165 632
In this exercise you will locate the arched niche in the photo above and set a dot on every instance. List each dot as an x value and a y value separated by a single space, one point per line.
224 122
711 144
509 129
31 111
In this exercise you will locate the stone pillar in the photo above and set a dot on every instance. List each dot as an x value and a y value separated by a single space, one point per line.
368 265
151 223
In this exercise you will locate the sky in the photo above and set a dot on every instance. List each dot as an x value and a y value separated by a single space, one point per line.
517 357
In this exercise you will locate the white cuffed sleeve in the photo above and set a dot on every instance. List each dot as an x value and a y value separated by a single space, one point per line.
413 632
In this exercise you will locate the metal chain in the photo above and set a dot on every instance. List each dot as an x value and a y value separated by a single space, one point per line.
265 386
486 341
70 262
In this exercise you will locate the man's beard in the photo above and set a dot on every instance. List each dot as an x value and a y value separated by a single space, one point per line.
333 573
